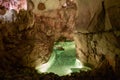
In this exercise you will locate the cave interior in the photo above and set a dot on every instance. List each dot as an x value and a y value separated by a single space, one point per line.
59 40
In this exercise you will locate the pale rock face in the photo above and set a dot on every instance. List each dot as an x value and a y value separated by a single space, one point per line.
18 4
92 47
88 11
97 31
10 16
14 4
49 5
11 8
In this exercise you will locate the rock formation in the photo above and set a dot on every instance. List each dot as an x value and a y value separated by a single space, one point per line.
97 31
27 38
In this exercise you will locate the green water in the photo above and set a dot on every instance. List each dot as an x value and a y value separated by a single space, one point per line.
62 61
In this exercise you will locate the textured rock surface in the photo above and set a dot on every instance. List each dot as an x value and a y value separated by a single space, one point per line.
24 42
97 31
58 23
12 4
93 48
50 5
87 16
24 73
28 40
57 19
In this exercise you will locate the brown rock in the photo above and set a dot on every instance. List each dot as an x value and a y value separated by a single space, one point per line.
29 40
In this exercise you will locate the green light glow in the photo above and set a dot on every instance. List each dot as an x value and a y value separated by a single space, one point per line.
44 67
62 61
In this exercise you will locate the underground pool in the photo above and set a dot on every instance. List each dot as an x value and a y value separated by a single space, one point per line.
63 60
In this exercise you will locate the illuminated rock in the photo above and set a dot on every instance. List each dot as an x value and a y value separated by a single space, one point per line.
28 39
30 36
48 5
55 22
18 4
97 31
5 3
10 8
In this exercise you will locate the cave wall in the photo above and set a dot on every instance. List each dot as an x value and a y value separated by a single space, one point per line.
29 38
97 31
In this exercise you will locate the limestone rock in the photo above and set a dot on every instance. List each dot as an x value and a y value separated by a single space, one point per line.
114 17
90 16
92 47
58 23
24 44
94 43
28 40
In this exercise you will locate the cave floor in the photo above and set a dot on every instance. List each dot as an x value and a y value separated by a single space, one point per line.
62 61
